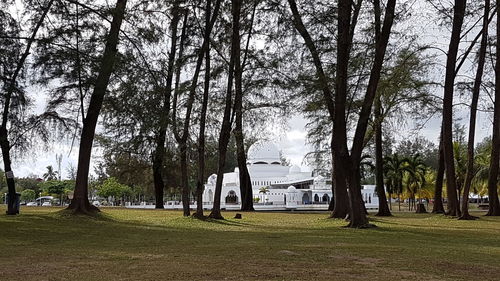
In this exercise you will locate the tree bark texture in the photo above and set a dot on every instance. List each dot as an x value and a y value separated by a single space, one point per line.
438 207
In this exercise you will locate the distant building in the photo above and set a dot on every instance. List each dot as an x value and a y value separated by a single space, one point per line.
276 186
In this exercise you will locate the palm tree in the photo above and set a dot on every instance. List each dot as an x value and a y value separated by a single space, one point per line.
264 190
50 174
416 179
394 169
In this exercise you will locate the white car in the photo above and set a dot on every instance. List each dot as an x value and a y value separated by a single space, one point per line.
47 204
31 204
96 203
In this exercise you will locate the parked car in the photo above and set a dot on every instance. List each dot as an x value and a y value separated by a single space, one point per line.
31 204
47 204
96 203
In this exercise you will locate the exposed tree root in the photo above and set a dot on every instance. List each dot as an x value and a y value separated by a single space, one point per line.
467 217
216 216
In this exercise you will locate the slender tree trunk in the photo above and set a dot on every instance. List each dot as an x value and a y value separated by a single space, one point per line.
183 138
383 208
4 133
390 201
225 132
80 202
244 176
438 207
451 183
494 204
203 118
184 178
159 154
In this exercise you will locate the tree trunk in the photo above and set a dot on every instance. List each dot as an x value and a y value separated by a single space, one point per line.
4 133
159 153
438 207
341 207
184 179
357 215
451 183
203 119
225 132
399 202
473 111
244 176
4 144
183 138
80 202
383 207
382 40
494 204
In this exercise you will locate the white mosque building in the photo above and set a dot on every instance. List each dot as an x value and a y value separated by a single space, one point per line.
277 186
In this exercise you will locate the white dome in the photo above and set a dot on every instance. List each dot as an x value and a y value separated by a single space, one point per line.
264 152
294 169
291 189
236 170
212 179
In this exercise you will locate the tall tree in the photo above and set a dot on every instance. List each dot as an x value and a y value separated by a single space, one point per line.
182 137
383 207
225 131
447 138
239 65
340 204
494 205
80 202
203 119
473 112
159 154
5 144
351 160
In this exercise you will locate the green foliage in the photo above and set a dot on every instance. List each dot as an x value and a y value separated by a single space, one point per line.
56 187
112 188
28 195
50 174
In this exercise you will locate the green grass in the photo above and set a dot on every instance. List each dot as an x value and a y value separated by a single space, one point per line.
122 244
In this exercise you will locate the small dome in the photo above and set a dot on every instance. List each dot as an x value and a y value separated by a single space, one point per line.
291 189
212 179
294 169
263 152
236 170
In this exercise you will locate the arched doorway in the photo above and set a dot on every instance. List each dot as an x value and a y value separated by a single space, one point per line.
305 199
231 197
325 198
316 198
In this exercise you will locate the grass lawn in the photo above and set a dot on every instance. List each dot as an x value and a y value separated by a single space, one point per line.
124 244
